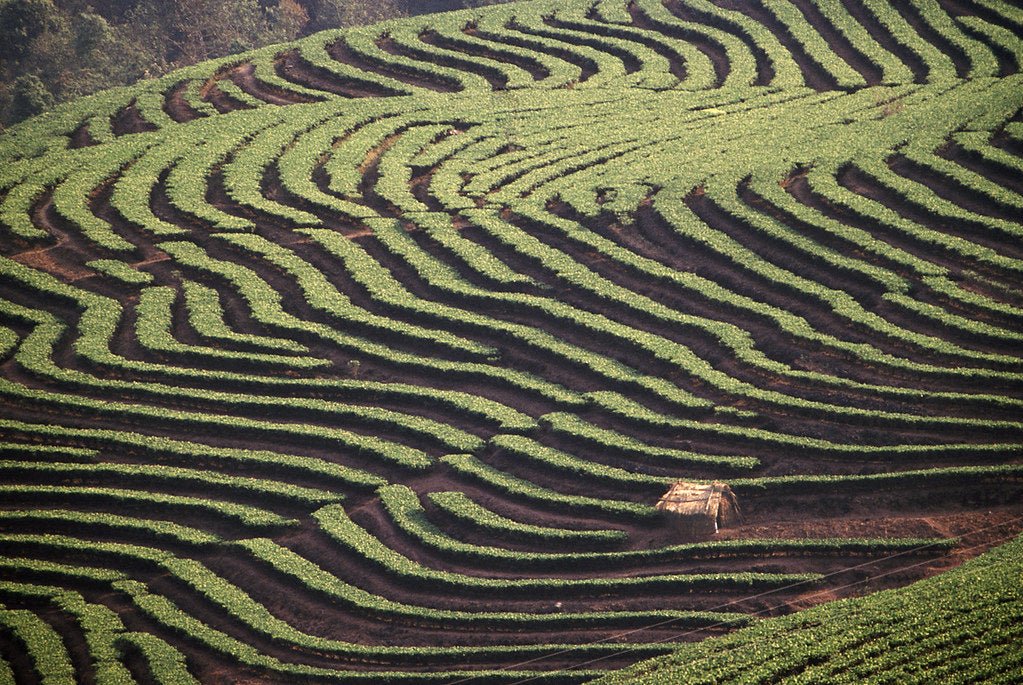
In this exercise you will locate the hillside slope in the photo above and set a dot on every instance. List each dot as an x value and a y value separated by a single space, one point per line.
366 357
962 626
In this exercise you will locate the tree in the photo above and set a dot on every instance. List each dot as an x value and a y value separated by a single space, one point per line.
332 14
29 97
91 31
21 22
195 30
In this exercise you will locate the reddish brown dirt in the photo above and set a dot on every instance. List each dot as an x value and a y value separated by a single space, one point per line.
81 137
291 66
129 120
244 77
839 43
537 70
765 70
714 52
815 76
176 107
341 52
885 39
512 36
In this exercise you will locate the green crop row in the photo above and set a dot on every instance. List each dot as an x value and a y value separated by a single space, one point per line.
551 72
363 43
838 301
471 513
699 71
206 317
471 468
167 530
383 286
193 452
893 70
120 271
43 645
153 330
792 21
609 440
933 275
47 452
639 415
446 278
474 75
963 624
405 509
246 611
896 479
676 354
105 636
265 305
741 63
356 540
314 578
314 51
118 497
173 477
36 353
824 183
548 460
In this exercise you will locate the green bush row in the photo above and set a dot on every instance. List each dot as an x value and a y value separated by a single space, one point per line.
312 577
166 530
471 513
333 520
406 510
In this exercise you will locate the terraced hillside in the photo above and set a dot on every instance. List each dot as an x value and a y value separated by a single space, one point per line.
364 358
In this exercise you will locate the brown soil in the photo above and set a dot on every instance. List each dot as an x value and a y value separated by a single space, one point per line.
839 43
885 39
244 77
511 36
714 52
81 137
176 107
291 66
129 120
765 70
815 76
537 70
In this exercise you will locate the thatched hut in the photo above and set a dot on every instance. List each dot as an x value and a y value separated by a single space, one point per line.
701 508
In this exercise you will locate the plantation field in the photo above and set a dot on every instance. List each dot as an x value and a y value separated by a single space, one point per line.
365 358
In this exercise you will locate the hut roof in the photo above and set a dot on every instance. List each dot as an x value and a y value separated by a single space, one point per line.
694 499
